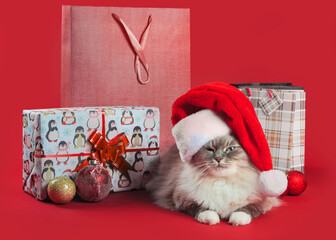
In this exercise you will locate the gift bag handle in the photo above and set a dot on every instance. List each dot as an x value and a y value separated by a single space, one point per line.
249 93
138 47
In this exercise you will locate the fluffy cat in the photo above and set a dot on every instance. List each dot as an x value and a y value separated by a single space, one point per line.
220 182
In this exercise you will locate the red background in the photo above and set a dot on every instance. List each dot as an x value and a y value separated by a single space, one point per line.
231 41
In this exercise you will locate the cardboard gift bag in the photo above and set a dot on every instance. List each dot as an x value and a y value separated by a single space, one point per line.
280 108
125 56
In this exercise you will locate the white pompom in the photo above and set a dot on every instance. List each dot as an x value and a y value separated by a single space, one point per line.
273 182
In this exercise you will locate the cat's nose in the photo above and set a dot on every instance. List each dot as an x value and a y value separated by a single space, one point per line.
218 159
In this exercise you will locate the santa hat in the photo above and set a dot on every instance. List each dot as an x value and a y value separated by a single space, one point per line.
218 109
153 138
39 139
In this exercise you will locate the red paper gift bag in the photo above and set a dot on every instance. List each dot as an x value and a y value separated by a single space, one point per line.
126 57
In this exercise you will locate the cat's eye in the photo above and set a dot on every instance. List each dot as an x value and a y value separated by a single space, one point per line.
230 149
210 149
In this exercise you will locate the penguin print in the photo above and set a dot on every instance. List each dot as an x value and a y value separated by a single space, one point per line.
52 134
27 139
153 143
149 122
138 108
48 112
32 157
68 118
62 149
32 116
80 161
110 170
127 118
26 167
109 111
123 181
136 139
93 122
125 155
33 183
79 138
25 120
39 147
68 173
24 182
112 130
138 163
145 178
37 123
48 172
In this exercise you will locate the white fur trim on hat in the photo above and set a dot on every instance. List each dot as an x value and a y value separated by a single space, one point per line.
273 182
192 132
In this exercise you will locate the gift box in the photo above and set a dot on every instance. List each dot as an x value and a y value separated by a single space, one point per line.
57 141
281 110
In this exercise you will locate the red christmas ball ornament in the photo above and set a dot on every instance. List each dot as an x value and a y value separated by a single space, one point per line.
93 183
297 182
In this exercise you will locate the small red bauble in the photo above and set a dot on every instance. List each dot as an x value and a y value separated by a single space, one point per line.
297 182
93 183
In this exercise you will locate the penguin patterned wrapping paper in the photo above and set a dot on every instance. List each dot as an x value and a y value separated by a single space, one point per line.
55 142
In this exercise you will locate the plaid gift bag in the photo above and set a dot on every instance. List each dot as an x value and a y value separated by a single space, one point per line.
280 108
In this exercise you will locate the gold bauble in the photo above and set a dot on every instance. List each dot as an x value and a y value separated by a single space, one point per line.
61 190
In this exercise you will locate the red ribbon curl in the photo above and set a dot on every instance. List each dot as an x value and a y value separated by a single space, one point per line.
112 151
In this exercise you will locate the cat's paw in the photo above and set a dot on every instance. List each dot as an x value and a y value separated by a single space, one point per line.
208 217
240 218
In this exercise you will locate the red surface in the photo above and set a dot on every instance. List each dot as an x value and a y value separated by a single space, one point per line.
232 41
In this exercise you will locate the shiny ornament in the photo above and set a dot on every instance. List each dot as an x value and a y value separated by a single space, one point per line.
297 182
61 190
93 183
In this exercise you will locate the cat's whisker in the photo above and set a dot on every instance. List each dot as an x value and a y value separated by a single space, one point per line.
224 164
202 171
252 168
201 165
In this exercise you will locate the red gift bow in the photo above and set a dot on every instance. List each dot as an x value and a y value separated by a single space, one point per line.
112 151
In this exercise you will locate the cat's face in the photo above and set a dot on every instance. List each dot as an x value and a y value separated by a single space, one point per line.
223 156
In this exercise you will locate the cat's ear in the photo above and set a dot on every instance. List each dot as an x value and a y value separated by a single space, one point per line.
232 135
234 138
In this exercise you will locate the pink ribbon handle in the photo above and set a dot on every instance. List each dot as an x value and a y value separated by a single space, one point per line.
138 47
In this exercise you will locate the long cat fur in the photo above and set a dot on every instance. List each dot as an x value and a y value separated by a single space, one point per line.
210 190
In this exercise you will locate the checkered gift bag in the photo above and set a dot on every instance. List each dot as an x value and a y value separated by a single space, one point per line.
280 108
